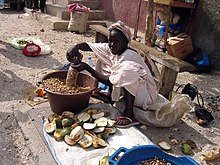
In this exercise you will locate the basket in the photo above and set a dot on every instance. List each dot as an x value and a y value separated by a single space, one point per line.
145 152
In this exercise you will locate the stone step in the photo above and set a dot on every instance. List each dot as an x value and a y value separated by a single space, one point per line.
61 12
92 4
93 15
57 23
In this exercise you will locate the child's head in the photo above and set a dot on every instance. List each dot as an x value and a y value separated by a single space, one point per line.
119 37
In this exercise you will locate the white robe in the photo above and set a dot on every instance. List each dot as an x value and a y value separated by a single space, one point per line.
129 71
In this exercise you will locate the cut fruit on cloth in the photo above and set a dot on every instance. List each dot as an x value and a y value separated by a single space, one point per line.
30 42
32 96
65 154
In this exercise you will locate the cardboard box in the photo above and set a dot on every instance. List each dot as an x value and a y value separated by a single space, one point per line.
180 46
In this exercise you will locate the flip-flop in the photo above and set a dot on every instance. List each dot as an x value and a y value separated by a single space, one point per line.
125 122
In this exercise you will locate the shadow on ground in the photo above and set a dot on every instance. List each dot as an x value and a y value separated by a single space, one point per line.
11 141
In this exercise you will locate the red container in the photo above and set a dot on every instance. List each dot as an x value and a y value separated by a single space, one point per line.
70 102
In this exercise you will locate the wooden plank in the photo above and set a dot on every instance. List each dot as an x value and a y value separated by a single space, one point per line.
99 37
149 22
160 57
137 20
163 58
168 81
175 3
182 4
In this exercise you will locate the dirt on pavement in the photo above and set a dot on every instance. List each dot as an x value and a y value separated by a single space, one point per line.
17 138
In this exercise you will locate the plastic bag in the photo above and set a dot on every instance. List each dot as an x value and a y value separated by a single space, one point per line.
165 114
77 7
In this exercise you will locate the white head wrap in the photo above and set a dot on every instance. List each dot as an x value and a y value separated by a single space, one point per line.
123 28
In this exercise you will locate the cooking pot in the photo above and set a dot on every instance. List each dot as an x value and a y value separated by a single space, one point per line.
145 152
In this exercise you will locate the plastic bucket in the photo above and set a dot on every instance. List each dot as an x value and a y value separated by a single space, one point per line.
137 154
70 102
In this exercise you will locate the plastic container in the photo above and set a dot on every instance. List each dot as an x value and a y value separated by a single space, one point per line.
89 62
70 102
145 152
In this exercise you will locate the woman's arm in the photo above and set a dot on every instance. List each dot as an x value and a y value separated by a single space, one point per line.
100 77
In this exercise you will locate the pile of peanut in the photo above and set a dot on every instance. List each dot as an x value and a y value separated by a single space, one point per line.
154 161
59 86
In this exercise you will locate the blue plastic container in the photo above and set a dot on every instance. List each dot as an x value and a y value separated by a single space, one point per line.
146 152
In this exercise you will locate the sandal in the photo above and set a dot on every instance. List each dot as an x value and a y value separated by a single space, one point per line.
125 122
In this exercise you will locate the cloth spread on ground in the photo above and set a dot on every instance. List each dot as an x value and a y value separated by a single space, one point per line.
21 42
65 154
127 70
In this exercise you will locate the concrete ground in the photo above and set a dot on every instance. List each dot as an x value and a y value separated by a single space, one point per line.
20 139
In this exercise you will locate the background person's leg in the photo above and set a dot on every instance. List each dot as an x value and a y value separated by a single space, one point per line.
35 5
42 5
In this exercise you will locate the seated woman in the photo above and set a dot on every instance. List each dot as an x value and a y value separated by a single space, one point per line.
123 70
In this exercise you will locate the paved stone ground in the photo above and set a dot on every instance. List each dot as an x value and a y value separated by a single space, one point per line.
20 141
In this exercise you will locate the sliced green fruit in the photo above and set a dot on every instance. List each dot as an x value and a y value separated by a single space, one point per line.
98 143
66 131
69 140
67 122
101 122
89 126
68 114
77 133
103 135
110 123
83 117
50 128
86 141
104 160
111 130
52 117
164 145
74 125
98 129
106 113
98 115
92 111
58 122
57 134
186 149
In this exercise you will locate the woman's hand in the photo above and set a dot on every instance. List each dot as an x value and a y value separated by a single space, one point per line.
73 54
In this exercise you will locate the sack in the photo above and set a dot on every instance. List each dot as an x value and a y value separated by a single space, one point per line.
78 22
190 90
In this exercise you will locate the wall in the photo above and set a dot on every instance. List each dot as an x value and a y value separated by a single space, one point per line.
204 29
125 10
